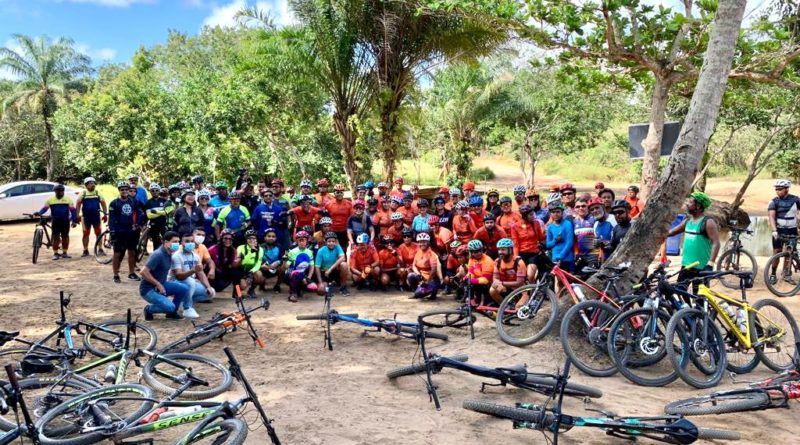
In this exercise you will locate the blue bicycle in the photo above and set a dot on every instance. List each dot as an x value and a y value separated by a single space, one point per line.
391 326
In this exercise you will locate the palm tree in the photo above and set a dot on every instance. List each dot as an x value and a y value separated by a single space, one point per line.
46 71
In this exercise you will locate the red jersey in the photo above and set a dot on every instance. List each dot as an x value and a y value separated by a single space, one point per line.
359 260
464 228
389 259
407 253
305 219
339 213
526 237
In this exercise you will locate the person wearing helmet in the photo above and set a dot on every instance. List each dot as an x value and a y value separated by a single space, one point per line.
197 183
588 252
620 209
397 228
701 237
603 225
224 256
138 192
270 214
248 195
159 210
331 265
489 234
272 265
340 210
235 218
372 210
221 199
469 189
389 263
187 268
452 267
305 192
476 210
88 207
508 216
155 288
637 204
519 196
249 259
123 214
568 198
440 237
382 219
407 250
361 192
528 237
63 214
455 197
509 271
560 237
533 199
364 263
426 273
440 210
300 267
209 214
322 196
463 225
480 271
304 214
493 201
174 194
188 216
782 210
420 222
444 193
398 191
324 228
359 223
408 209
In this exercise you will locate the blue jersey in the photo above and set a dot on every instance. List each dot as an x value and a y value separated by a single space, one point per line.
218 203
271 216
61 209
561 250
141 196
90 202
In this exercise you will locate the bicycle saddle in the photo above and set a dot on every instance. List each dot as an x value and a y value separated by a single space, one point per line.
33 364
6 336
516 373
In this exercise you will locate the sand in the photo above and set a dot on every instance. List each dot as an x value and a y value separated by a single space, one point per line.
343 397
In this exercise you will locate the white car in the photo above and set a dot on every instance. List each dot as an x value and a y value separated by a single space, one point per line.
21 197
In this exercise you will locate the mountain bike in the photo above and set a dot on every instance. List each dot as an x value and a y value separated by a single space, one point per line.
11 400
105 243
767 327
41 234
391 326
736 258
669 429
126 411
774 392
786 281
517 375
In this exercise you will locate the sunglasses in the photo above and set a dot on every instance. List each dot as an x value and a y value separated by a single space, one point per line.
203 197
619 212
581 207
780 189
568 193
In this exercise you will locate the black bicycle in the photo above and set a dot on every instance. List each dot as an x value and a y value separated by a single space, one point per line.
669 429
41 234
783 279
735 258
105 243
516 375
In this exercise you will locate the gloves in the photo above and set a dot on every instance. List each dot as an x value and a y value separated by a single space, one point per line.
105 218
480 280
775 235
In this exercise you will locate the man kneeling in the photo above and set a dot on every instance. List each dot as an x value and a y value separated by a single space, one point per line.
155 288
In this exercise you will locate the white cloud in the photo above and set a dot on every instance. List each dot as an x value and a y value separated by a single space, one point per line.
279 10
97 54
112 3
225 15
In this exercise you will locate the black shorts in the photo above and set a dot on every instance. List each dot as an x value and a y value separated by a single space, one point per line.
91 220
124 241
60 228
335 277
778 243
343 241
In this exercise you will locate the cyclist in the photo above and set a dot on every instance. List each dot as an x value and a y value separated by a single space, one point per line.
272 265
304 214
608 197
568 196
397 228
197 183
364 263
224 256
389 263
209 214
373 213
248 196
382 219
492 202
398 188
599 186
407 251
455 197
124 215
480 271
188 216
174 192
444 193
588 254
426 273
445 216
383 191
701 239
305 192
221 199
155 288
234 217
202 251
469 189
452 264
463 225
322 196
560 236
63 214
408 210
603 225
271 215
783 210
137 191
534 200
249 259
339 211
519 196
528 236
300 267
440 237
157 210
632 197
88 206
509 271
476 211
324 227
359 222
361 192
331 265
508 216
420 222
621 211
187 268
489 234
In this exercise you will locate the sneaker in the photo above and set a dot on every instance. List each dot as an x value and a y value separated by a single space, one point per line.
174 316
190 313
65 255
344 291
116 279
56 257
133 277
773 279
101 252
293 298
276 288
147 314
85 254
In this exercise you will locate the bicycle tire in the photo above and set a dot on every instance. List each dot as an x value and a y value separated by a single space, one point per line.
592 340
55 435
768 271
627 364
504 322
505 412
195 339
740 360
38 234
101 244
94 332
36 404
572 389
312 317
232 431
141 246
419 367
678 356
790 343
729 262
451 319
214 388
12 356
428 334
719 403
717 434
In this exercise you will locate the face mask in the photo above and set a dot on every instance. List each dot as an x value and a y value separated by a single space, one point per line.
188 246
174 247
199 239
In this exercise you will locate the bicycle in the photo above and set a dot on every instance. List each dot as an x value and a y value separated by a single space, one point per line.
747 327
517 375
788 283
774 392
105 242
669 429
41 234
390 326
736 258
125 411
11 400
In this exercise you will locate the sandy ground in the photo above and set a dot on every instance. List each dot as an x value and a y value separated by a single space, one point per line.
343 396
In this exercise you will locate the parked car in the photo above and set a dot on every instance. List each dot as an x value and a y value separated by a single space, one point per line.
21 197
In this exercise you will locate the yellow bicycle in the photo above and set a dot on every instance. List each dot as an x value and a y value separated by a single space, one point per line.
719 331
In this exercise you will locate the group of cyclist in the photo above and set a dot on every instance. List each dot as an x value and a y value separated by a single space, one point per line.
208 237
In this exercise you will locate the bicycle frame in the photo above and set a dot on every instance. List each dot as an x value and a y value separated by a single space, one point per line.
26 430
567 279
713 298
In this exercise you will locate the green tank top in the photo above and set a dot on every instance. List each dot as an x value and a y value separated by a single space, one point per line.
696 245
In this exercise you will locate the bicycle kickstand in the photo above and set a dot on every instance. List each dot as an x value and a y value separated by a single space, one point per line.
484 385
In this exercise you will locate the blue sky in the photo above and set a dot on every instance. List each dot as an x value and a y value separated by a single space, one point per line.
112 30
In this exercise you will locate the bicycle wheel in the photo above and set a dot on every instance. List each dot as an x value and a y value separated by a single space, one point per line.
776 350
103 248
420 367
38 235
736 261
505 412
42 395
720 403
231 431
637 345
141 246
527 318
62 425
102 344
199 337
700 358
12 357
446 319
740 359
717 434
165 378
584 336
782 274
545 385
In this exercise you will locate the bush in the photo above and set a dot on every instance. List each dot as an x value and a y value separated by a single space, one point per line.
481 174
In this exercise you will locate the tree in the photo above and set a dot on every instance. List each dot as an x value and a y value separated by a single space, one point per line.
47 71
649 231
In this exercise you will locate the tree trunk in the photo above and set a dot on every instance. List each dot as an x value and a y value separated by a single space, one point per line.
50 147
389 126
754 169
644 238
652 143
347 136
700 184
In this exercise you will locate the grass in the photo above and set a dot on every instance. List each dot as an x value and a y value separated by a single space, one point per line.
428 171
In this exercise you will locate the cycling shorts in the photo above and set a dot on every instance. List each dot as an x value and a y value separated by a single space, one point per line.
125 241
60 228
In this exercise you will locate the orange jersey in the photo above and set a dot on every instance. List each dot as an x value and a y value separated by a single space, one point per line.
507 220
382 219
323 200
407 253
395 233
526 237
425 262
637 205
408 214
359 260
490 241
510 271
464 228
389 259
452 263
305 219
477 218
339 213
482 268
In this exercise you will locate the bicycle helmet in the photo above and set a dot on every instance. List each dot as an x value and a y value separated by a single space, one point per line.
553 197
123 185
438 200
154 187
221 185
398 180
422 202
455 244
387 239
362 238
369 184
701 198
462 250
305 183
620 204
290 190
330 235
397 216
197 179
555 206
131 177
59 188
407 196
423 237
433 220
783 183
359 203
203 194
325 220
469 186
407 232
338 188
455 191
461 205
383 185
524 209
531 193
492 191
301 234
226 232
475 201
276 181
489 216
444 190
372 202
88 180
567 186
475 245
251 234
323 182
633 188
596 201
519 189
174 188
505 200
398 200
599 186
234 195
361 188
505 243
187 192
